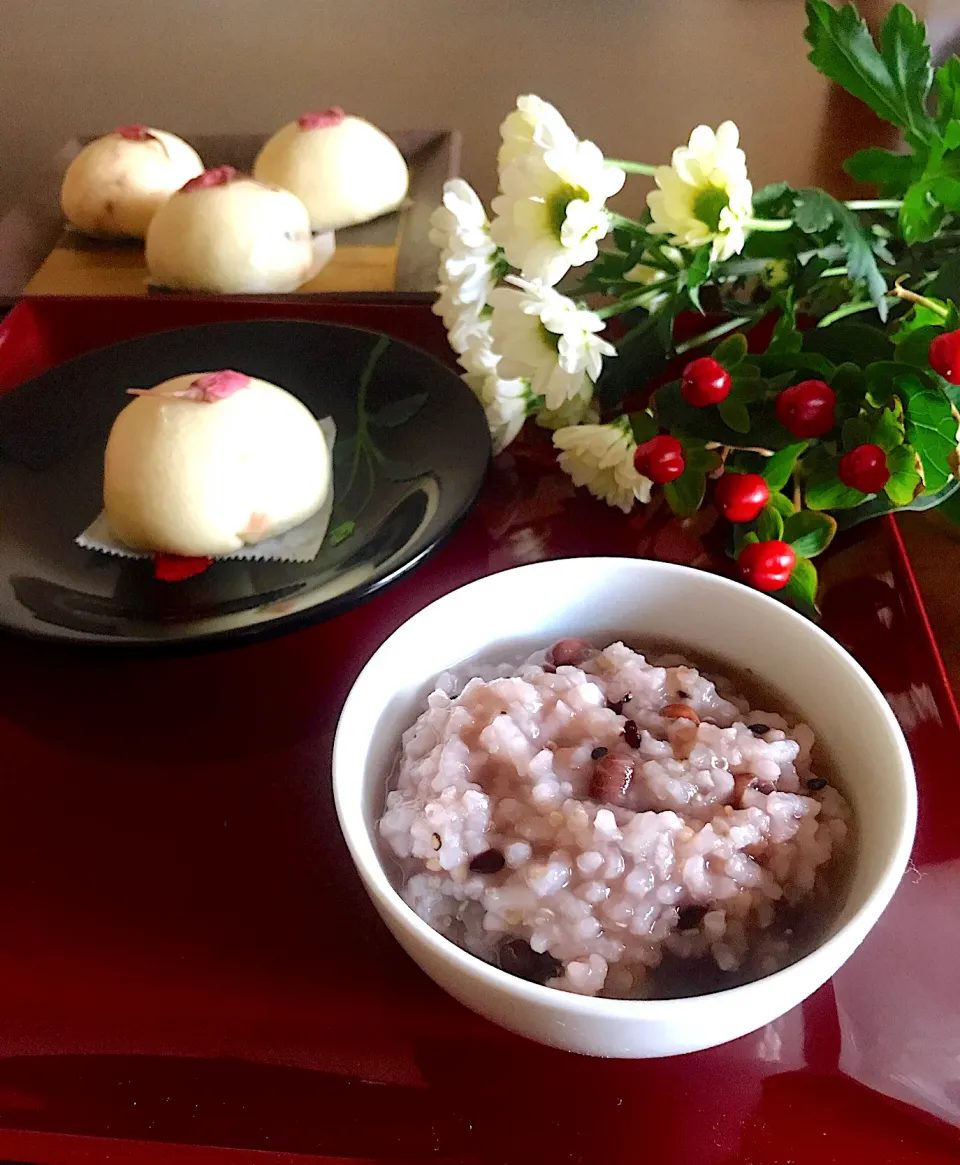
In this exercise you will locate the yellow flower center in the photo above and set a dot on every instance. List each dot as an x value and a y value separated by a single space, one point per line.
558 202
708 204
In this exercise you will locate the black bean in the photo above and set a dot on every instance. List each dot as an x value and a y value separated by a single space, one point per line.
682 695
631 734
599 752
436 840
766 787
617 705
690 917
517 957
815 784
759 729
491 861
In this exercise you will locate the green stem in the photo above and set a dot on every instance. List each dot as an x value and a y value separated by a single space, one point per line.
633 167
912 297
621 220
833 271
637 330
874 204
849 309
629 302
713 334
768 224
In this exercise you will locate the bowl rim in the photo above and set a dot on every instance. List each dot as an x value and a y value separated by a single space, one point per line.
378 885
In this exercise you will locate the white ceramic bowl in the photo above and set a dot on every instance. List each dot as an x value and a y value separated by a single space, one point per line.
601 599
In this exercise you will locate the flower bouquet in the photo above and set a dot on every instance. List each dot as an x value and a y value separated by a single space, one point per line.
820 389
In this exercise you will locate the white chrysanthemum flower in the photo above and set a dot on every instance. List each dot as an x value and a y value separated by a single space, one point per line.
506 404
704 194
534 124
478 356
545 337
463 322
581 410
468 261
601 458
551 213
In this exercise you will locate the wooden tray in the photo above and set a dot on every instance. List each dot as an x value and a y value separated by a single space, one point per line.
190 971
389 257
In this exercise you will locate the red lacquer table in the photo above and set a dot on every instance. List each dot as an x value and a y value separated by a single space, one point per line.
189 969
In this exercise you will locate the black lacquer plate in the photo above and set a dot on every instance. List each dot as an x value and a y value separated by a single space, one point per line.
411 452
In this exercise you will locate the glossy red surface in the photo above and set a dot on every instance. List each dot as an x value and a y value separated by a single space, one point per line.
188 963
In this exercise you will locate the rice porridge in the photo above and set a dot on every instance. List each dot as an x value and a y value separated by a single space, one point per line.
612 827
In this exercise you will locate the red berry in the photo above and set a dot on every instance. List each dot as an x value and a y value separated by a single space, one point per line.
945 356
660 459
865 469
741 496
807 408
705 382
767 565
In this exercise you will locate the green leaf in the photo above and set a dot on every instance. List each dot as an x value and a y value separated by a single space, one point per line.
893 82
824 489
844 343
734 414
888 429
801 590
785 336
946 190
946 286
882 379
623 239
769 524
679 417
341 533
920 215
643 427
808 362
685 494
640 356
948 93
731 351
931 428
774 197
913 347
398 412
905 481
748 385
850 385
815 211
881 504
697 274
782 504
697 456
905 52
809 532
779 468
855 431
877 167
